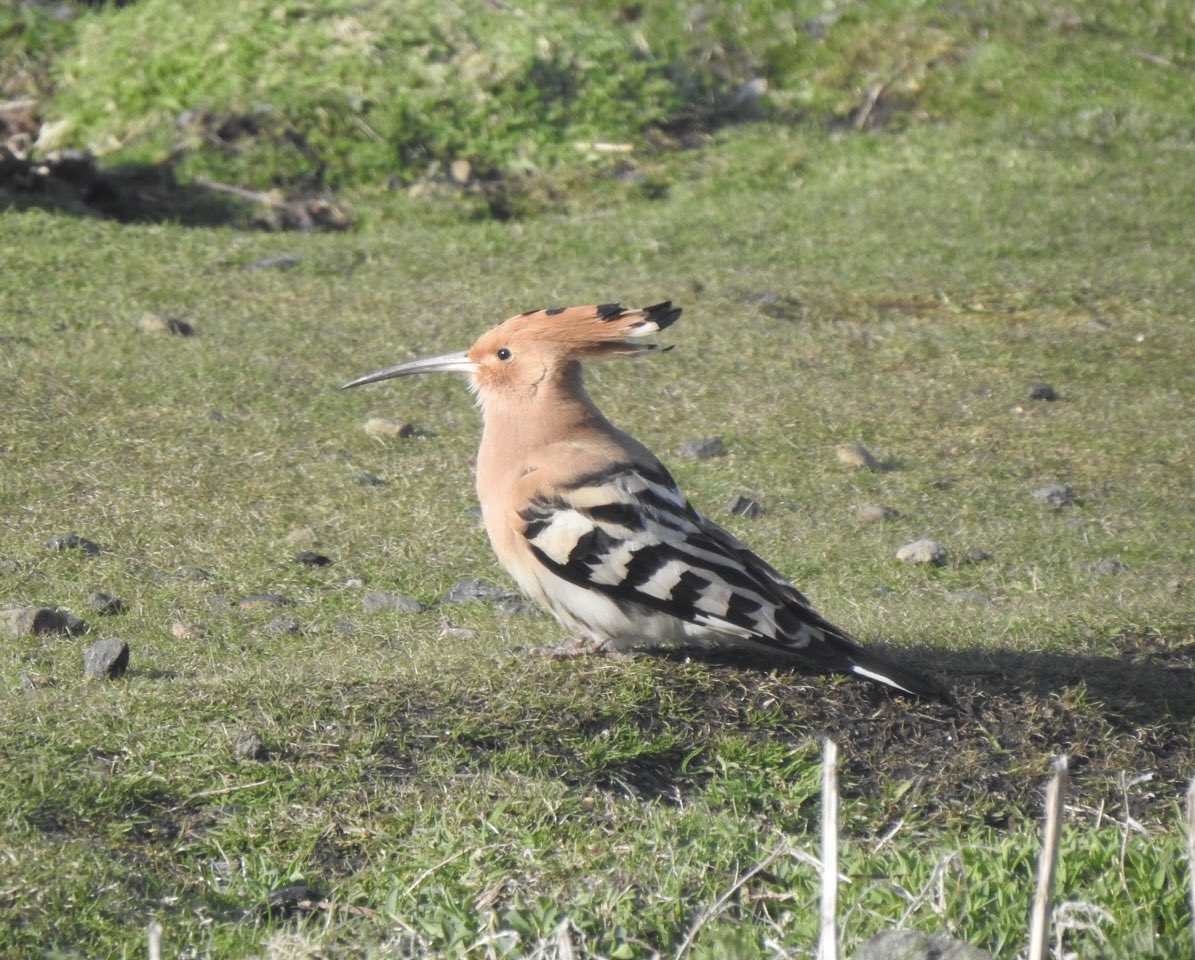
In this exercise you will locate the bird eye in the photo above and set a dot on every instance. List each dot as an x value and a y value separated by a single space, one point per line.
504 353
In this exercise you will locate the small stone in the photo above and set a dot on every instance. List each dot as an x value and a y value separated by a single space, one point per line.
160 323
1110 567
745 507
703 448
515 606
263 601
353 583
282 261
288 902
914 945
922 551
968 596
367 479
377 601
72 541
106 659
1042 391
461 171
386 427
38 621
283 626
975 555
856 455
183 630
874 513
192 573
311 559
1055 495
247 745
104 603
473 591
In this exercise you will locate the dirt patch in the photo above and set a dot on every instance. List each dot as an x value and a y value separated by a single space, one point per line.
986 756
146 193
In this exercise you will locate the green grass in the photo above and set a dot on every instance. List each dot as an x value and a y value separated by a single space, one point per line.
1029 220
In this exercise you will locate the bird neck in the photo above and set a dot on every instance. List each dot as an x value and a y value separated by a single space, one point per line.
517 424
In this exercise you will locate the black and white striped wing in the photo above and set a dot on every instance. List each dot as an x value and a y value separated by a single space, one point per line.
630 535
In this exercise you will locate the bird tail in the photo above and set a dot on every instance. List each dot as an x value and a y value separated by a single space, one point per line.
872 666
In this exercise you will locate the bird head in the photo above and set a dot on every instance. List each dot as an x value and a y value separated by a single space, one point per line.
520 354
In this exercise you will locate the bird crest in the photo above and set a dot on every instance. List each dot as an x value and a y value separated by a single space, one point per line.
583 333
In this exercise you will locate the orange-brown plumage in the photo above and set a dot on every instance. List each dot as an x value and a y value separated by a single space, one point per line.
592 526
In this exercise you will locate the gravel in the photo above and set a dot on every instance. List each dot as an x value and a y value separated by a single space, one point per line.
106 659
264 601
18 622
857 455
377 601
874 513
744 506
703 448
1055 495
922 551
105 604
63 542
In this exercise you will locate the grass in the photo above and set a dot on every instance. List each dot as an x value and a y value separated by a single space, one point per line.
459 795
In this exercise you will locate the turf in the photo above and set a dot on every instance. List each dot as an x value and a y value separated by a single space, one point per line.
455 793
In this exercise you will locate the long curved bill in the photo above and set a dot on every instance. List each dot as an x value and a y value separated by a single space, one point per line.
448 363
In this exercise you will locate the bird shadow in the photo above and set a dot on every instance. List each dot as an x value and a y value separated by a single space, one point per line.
1140 690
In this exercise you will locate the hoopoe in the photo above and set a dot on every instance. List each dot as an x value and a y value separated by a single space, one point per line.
593 527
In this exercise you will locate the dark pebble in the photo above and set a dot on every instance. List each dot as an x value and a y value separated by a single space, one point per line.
1055 495
262 601
283 626
72 541
747 507
1110 566
1042 391
975 555
367 479
311 559
377 601
105 604
703 448
106 659
295 900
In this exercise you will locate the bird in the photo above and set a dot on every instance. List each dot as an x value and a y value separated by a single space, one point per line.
592 526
